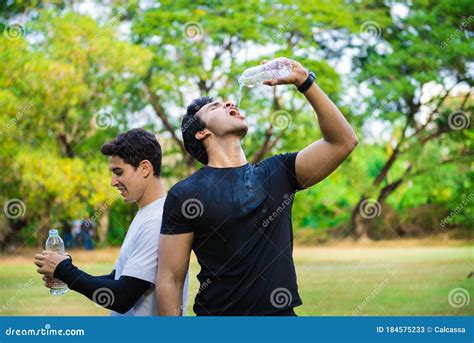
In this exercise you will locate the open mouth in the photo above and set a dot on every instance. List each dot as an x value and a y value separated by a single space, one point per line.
122 190
235 113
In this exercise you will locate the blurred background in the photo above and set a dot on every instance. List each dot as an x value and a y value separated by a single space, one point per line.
389 233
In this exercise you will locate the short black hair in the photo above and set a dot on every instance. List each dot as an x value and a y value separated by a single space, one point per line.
135 146
190 125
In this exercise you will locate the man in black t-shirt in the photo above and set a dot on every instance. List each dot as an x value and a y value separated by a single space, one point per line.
236 216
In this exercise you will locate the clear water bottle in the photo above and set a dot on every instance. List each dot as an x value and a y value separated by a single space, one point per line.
274 69
56 244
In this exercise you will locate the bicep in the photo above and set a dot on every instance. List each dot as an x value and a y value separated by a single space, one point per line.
318 160
174 254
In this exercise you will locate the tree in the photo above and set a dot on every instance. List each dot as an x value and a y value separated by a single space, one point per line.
69 83
427 48
198 48
64 92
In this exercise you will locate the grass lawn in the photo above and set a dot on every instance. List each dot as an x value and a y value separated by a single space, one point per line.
393 278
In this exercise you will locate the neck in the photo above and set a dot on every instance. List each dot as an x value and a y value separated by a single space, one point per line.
154 191
226 152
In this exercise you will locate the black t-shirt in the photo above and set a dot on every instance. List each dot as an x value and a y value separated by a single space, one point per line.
243 238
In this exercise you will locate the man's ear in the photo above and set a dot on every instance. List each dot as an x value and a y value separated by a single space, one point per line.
146 168
200 135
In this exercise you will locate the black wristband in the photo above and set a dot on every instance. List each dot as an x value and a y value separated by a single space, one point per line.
307 83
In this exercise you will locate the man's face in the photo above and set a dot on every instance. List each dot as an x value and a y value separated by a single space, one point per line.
223 118
127 179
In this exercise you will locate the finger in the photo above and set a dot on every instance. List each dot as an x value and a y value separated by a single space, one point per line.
47 278
269 82
40 270
39 263
46 252
280 81
273 82
39 256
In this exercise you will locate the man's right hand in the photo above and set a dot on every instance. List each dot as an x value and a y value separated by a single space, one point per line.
297 76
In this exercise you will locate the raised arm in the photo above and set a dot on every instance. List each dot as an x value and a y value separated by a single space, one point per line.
319 159
173 263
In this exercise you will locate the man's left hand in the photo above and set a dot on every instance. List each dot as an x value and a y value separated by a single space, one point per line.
47 262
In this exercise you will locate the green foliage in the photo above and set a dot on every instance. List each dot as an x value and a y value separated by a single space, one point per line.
63 95
72 82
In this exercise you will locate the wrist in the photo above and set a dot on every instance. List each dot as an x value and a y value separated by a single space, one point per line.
300 79
308 82
305 93
63 268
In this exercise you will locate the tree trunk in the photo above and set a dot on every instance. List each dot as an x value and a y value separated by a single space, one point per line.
155 102
68 151
43 231
388 164
359 225
103 227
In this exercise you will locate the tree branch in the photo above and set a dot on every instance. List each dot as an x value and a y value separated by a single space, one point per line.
63 137
155 102
443 162
391 160
430 116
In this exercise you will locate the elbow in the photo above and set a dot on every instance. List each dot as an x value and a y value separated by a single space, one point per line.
123 304
122 308
161 287
352 142
355 142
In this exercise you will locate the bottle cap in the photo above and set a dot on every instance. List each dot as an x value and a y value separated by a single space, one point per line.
53 232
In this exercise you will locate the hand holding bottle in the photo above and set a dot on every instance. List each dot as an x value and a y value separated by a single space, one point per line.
297 76
47 262
49 259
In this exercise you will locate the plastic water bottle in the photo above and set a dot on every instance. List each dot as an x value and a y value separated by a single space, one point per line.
56 244
274 69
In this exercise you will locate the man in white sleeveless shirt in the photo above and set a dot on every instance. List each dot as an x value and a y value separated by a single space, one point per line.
135 163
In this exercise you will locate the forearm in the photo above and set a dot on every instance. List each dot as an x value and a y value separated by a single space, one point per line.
334 126
110 276
169 295
117 295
